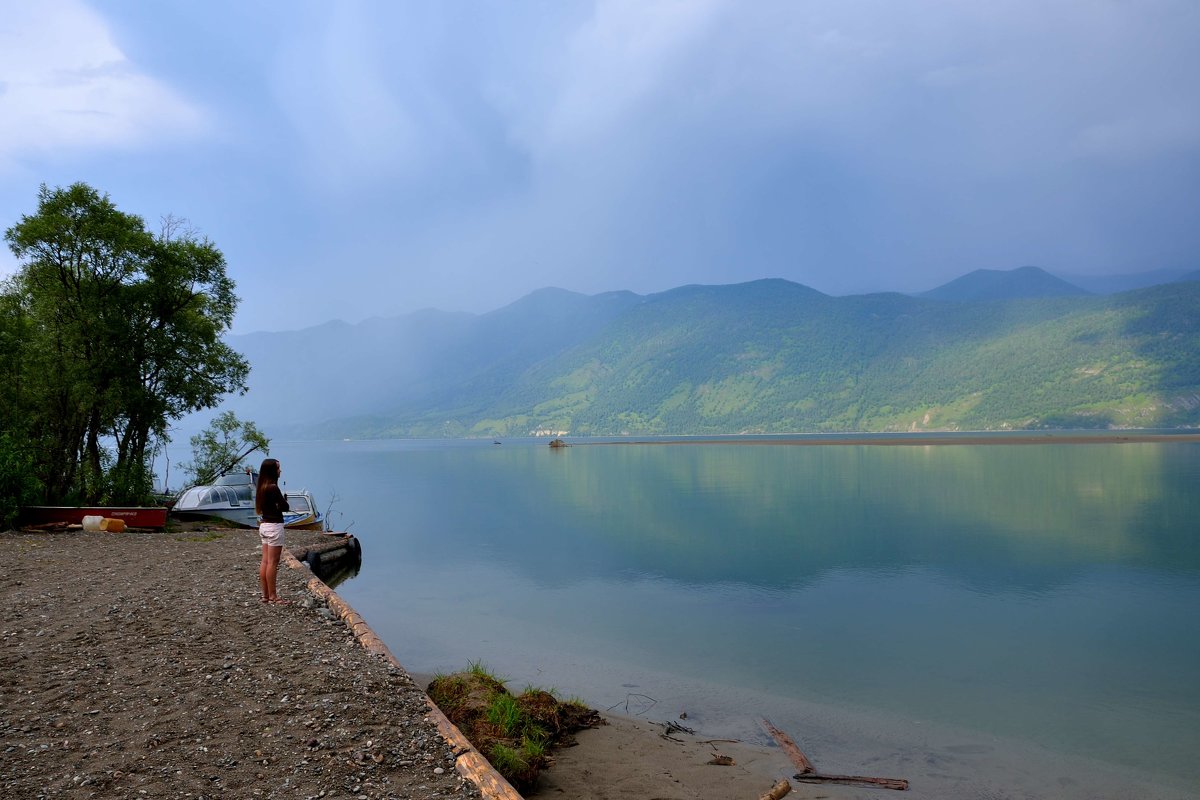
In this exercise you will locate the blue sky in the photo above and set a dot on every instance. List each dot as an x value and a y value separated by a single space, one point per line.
357 159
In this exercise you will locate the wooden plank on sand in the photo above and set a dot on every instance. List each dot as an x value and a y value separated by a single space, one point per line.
808 773
793 752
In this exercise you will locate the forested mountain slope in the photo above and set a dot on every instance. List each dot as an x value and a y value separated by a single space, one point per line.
774 356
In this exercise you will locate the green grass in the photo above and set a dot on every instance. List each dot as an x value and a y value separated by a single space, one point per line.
479 669
507 761
506 715
515 732
211 536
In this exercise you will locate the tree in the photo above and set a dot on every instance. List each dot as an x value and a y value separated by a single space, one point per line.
223 446
115 332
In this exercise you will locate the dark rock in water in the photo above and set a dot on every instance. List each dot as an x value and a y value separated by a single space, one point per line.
558 443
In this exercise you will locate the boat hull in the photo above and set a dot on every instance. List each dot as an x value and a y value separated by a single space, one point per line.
246 518
132 516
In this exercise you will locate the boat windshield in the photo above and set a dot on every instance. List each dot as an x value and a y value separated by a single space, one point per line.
235 479
299 503
209 496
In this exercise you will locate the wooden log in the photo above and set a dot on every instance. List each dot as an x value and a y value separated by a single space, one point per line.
777 791
899 784
468 762
808 773
793 752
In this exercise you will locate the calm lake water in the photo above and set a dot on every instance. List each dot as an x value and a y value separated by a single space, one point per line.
986 621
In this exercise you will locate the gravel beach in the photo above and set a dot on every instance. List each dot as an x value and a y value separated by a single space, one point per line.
142 665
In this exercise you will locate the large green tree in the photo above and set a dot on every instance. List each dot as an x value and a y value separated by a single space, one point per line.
111 332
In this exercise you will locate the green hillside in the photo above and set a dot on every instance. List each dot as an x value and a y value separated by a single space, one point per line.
772 356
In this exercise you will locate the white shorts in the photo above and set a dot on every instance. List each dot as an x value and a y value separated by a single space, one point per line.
271 533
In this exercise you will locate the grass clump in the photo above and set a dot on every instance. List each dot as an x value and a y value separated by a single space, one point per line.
515 732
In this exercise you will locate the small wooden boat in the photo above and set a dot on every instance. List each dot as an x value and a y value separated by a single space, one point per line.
132 516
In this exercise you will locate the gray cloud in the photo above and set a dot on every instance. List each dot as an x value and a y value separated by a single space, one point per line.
393 156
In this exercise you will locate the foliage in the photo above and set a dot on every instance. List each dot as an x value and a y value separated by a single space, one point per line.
17 483
776 357
514 732
110 333
222 446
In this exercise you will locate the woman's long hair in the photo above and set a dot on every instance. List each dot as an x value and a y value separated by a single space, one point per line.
268 476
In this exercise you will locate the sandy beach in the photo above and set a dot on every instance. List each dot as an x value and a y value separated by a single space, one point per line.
142 664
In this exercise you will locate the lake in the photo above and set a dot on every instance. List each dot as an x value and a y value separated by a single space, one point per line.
986 621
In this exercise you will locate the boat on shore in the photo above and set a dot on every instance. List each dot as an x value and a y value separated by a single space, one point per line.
302 513
231 498
132 516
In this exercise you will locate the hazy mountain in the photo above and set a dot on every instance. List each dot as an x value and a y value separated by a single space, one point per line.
765 356
776 357
1111 284
992 284
337 370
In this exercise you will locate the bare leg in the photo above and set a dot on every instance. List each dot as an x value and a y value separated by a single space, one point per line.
267 588
271 567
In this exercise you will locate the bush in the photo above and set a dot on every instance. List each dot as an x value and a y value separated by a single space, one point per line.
18 486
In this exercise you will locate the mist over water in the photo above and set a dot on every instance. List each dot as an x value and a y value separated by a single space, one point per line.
960 612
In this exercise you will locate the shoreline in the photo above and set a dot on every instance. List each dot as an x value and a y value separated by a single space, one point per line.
142 664
910 439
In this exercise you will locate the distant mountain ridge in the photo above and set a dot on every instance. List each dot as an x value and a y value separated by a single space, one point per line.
1112 284
991 284
764 356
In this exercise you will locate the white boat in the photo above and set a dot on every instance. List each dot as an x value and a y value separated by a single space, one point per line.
231 498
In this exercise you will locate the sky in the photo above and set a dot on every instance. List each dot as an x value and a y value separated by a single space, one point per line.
360 159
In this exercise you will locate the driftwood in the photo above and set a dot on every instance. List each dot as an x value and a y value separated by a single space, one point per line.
777 791
793 752
808 773
671 726
899 784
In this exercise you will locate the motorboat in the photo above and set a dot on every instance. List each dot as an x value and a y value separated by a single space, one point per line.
302 513
231 498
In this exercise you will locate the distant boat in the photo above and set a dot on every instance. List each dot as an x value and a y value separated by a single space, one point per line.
132 516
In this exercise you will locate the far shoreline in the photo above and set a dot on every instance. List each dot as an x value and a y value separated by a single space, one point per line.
911 439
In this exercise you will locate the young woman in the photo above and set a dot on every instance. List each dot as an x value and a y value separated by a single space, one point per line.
270 504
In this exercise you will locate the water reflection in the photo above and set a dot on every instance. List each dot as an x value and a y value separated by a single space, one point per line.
1021 519
1043 592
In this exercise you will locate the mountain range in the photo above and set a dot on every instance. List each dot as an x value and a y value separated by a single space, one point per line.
991 350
